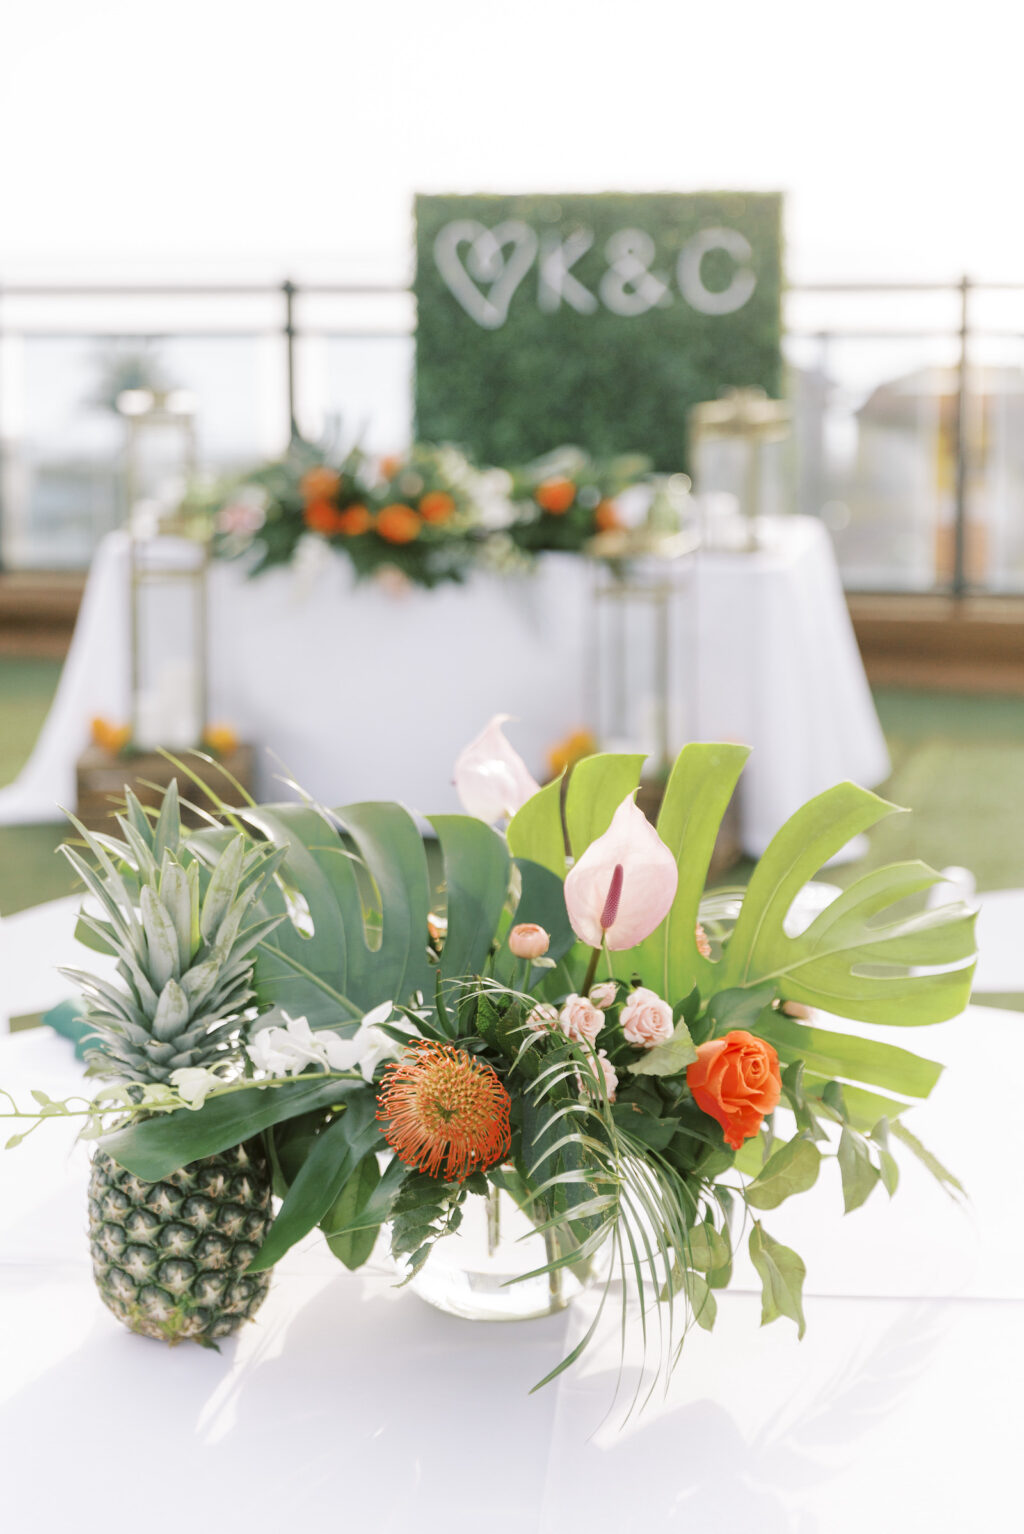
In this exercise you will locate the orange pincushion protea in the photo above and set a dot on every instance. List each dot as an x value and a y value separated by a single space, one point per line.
437 506
444 1112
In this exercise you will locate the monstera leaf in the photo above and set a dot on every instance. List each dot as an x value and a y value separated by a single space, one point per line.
858 957
356 887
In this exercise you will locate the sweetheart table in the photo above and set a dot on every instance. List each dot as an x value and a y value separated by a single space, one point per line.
350 1400
361 692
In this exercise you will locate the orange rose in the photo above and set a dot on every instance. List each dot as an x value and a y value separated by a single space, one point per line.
321 517
220 738
606 517
398 524
319 484
736 1080
436 506
390 466
555 495
354 520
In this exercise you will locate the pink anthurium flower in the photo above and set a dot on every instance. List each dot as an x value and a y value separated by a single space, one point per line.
623 886
491 780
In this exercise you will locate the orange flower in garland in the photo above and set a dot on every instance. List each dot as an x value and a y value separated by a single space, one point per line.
398 524
354 520
319 484
555 496
606 517
436 506
322 517
444 1112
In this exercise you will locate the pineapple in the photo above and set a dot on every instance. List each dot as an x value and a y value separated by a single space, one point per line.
169 1257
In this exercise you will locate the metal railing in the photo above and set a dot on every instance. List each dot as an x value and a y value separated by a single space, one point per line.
21 306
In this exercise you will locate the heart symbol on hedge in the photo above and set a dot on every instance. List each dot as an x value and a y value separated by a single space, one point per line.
486 281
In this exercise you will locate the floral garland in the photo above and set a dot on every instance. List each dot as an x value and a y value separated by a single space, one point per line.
428 516
415 516
566 498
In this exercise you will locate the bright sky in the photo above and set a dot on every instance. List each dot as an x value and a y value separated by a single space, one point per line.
218 137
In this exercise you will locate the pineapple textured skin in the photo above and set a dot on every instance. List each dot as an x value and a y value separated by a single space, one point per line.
170 1257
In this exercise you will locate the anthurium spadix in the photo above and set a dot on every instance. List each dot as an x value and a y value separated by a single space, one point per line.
623 886
491 779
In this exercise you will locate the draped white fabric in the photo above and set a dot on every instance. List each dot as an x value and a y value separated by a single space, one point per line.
359 693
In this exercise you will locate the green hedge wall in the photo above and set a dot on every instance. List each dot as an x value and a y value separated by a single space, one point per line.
531 379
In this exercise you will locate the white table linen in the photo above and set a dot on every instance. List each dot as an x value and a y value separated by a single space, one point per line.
351 1400
363 694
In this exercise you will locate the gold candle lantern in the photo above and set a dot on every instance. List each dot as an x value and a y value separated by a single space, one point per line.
732 442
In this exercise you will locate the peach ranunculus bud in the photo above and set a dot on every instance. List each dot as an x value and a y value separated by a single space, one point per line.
543 1018
528 941
491 780
607 1070
700 937
623 886
646 1019
580 1020
797 1009
604 994
736 1080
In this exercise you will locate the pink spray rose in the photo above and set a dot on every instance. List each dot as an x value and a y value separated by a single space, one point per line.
646 1019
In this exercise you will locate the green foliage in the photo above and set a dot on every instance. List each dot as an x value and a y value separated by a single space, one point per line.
782 1275
153 1148
335 1155
793 1168
611 383
837 964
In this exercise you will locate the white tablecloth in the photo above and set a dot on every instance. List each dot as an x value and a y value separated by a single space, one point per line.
360 694
352 1402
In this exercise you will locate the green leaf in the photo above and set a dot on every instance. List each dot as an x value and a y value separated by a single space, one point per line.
782 1275
793 1168
359 954
738 1008
153 1148
667 1059
696 798
858 1172
851 960
707 1249
847 1055
702 1300
377 1207
476 873
353 1248
945 1179
331 1162
650 1130
535 831
597 786
887 1164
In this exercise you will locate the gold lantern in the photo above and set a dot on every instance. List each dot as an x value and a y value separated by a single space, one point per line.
168 561
736 459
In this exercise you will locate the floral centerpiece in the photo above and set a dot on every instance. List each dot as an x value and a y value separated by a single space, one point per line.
416 515
306 1004
566 498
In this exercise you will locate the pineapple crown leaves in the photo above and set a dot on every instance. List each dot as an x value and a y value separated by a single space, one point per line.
176 926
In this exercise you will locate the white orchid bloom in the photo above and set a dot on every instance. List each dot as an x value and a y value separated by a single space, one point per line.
194 1083
289 1050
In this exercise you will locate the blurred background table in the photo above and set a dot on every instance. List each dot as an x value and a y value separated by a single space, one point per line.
351 1398
302 659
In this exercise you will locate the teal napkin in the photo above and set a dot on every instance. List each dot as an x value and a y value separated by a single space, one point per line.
65 1020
